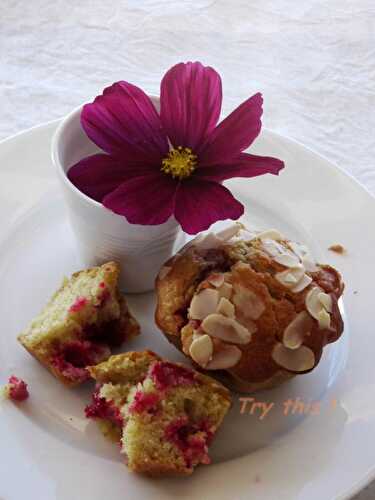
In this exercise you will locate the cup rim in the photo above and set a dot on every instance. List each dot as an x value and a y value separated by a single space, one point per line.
55 147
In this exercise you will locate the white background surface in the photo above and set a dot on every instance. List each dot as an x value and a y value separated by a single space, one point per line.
313 60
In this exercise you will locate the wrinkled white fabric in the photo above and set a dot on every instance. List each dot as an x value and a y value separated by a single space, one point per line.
314 61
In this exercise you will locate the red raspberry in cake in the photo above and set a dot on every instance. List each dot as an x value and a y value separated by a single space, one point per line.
15 389
169 413
79 304
83 321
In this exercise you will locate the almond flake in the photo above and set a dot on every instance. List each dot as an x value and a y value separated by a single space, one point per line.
229 232
303 283
297 330
203 303
298 248
225 290
326 300
227 329
226 308
313 304
309 265
201 350
295 360
287 259
290 277
271 234
227 357
324 319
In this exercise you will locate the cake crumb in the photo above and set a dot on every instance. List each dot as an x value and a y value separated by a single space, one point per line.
15 390
337 248
257 479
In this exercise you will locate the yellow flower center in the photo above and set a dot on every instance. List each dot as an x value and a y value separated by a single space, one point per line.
180 162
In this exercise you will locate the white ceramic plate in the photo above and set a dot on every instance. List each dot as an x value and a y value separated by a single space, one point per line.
48 450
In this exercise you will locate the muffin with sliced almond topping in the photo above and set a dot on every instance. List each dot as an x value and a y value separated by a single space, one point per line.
84 320
250 307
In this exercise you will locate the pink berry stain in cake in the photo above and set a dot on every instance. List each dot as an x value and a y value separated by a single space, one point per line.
107 333
144 402
103 296
101 408
73 357
78 304
165 374
192 439
17 389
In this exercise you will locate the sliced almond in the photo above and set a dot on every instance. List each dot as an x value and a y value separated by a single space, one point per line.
227 329
226 308
230 231
326 300
216 279
312 302
297 330
227 357
294 360
201 350
324 319
298 248
207 241
309 265
225 290
272 247
303 283
271 234
287 259
250 304
290 277
203 303
164 272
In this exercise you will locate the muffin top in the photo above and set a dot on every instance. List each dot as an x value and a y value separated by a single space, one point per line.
254 305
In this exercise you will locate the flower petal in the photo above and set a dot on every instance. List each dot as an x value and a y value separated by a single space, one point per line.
147 200
124 122
245 165
235 133
98 175
200 203
190 103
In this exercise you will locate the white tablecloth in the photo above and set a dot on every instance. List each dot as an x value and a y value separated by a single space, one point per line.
314 61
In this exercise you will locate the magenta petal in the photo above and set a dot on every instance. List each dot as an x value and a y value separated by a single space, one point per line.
124 122
98 175
190 103
245 165
147 200
200 203
235 133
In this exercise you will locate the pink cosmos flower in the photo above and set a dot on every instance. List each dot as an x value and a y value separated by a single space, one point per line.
155 165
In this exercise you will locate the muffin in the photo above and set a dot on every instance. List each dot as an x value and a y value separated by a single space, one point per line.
164 414
250 307
80 325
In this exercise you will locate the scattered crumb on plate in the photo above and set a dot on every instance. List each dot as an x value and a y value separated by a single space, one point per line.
337 249
257 479
15 389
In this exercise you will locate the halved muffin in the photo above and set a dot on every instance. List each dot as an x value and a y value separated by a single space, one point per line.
164 414
250 307
80 325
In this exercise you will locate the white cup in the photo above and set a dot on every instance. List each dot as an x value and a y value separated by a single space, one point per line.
101 234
